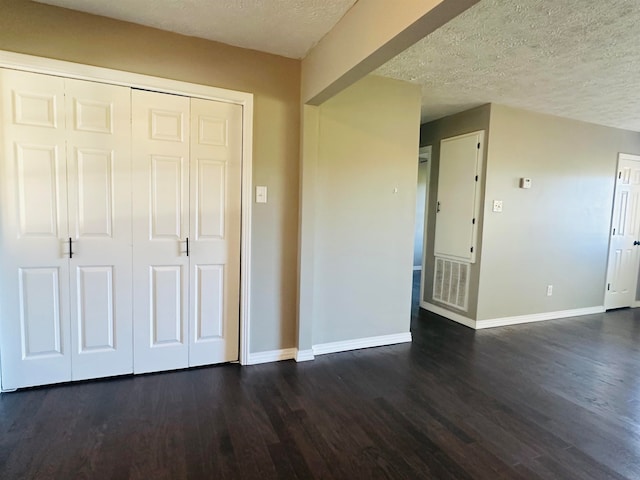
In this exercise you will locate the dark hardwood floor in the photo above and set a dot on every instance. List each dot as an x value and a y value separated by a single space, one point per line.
552 400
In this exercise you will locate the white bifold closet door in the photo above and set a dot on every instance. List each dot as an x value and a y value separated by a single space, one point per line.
65 184
187 189
99 186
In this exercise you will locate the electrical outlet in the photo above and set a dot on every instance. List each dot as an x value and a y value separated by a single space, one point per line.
549 290
497 206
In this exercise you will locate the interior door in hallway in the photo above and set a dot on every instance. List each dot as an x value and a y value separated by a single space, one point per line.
624 245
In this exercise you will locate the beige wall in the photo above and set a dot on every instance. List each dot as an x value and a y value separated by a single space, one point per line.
36 29
555 233
363 247
431 134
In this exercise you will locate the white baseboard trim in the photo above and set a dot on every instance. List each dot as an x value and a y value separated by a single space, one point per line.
380 341
304 355
272 356
359 343
506 321
456 317
334 347
636 304
417 268
538 317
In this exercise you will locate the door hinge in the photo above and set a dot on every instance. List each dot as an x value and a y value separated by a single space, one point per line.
471 249
473 222
619 175
608 286
476 178
614 231
478 145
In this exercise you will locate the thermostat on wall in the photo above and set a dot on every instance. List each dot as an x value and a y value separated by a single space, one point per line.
525 183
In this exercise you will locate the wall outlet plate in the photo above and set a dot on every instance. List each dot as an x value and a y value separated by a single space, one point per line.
497 206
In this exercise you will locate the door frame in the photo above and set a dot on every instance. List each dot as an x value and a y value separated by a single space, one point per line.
425 152
48 66
635 158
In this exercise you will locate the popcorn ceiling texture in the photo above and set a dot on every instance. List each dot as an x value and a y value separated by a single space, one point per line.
578 59
284 27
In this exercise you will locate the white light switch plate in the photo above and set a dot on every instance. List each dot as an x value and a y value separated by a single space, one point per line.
261 194
497 206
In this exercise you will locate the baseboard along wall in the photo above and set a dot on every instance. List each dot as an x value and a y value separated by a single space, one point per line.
515 320
325 348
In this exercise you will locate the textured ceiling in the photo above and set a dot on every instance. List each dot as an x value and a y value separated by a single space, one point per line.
572 58
285 27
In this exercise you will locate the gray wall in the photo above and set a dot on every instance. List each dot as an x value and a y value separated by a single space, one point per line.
363 244
557 232
431 134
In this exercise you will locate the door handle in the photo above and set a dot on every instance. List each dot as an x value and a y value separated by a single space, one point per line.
636 242
438 208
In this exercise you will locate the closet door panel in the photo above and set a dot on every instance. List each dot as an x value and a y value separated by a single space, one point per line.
34 278
98 119
216 166
160 230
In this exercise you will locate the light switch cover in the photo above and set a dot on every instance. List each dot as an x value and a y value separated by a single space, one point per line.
261 194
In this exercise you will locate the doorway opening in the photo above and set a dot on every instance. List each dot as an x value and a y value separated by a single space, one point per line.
422 201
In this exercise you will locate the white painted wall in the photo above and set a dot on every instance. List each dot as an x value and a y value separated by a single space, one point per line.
421 197
555 233
367 146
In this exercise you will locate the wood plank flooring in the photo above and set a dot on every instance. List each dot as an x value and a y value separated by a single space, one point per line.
552 400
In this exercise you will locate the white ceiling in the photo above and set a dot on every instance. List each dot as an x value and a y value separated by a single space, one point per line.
284 27
572 58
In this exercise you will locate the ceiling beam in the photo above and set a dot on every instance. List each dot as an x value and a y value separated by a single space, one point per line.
371 33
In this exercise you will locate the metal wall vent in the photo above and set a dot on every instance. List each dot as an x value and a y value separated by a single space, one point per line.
451 283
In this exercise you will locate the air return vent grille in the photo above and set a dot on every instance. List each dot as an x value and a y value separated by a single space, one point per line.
451 283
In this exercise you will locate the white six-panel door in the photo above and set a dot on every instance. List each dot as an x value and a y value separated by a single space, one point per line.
215 187
624 243
114 264
160 230
66 184
187 176
34 274
99 175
